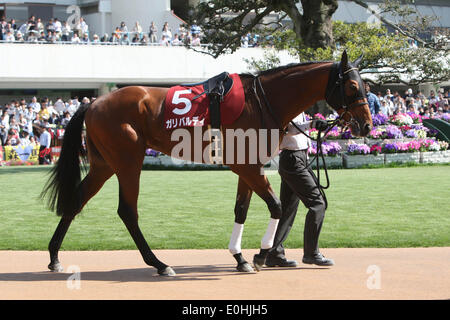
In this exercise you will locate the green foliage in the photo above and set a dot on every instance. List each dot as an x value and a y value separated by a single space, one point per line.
388 57
270 60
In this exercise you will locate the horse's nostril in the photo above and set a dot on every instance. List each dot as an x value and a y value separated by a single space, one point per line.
367 127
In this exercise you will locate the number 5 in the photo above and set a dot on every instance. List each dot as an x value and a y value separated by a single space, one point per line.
177 100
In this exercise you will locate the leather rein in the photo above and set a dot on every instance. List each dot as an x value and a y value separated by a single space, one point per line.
344 105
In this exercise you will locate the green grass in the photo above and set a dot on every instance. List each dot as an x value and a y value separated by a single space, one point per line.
385 207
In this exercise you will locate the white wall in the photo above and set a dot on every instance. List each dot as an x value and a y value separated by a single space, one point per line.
351 12
144 11
92 66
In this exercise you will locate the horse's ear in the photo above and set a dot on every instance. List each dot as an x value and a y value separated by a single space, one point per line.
358 61
344 60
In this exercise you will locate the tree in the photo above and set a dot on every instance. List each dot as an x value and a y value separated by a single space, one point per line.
225 21
388 57
403 56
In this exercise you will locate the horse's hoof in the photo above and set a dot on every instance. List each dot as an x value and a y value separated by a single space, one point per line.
244 267
258 262
55 267
167 272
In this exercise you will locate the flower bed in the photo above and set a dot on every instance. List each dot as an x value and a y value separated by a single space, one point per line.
400 138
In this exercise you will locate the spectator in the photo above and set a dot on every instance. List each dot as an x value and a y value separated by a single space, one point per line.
45 140
137 29
176 40
123 28
195 29
85 39
164 41
13 138
65 32
39 26
4 127
32 23
115 38
2 29
44 114
76 102
42 37
13 125
75 38
50 27
59 106
182 30
95 39
22 122
166 32
29 116
71 108
65 120
136 38
195 40
105 38
389 95
25 139
54 119
84 27
19 37
399 103
10 37
153 33
33 37
51 37
124 40
35 105
372 99
57 26
13 24
144 40
432 99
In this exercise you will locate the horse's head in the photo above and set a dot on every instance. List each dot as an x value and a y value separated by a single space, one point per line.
347 95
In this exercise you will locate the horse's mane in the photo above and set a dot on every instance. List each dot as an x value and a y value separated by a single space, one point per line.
281 68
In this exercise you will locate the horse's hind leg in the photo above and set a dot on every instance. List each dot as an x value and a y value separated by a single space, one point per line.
88 187
243 197
128 196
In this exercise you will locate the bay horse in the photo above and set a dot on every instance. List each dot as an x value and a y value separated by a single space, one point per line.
121 125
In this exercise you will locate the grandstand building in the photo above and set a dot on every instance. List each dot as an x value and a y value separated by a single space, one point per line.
67 70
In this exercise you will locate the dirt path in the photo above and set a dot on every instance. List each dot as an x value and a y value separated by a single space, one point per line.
410 273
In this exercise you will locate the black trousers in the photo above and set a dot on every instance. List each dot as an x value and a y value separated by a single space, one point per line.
44 157
298 183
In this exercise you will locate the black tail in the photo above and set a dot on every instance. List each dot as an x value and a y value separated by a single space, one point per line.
65 176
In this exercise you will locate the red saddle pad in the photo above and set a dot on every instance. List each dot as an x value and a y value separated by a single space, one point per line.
182 111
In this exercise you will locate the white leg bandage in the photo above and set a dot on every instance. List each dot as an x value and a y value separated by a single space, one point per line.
236 237
267 240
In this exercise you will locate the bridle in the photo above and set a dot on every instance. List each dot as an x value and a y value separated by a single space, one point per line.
342 104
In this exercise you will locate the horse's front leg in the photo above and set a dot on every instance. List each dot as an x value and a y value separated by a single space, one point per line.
243 197
274 205
260 185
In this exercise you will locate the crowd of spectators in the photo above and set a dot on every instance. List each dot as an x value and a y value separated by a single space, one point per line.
55 31
394 103
21 122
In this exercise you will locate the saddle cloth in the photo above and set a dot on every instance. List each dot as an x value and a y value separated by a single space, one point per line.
188 105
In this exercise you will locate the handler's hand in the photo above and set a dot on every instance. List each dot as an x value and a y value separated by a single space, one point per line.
319 124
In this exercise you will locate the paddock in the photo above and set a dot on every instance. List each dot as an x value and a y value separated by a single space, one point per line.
359 274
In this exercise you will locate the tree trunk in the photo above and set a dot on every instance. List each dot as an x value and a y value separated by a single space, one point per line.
316 25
